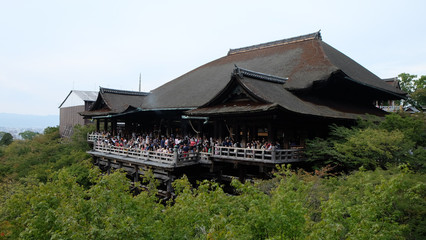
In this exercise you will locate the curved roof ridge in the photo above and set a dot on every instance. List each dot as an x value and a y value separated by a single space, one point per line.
315 35
123 92
258 75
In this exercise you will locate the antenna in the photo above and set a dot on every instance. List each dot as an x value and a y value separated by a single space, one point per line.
140 76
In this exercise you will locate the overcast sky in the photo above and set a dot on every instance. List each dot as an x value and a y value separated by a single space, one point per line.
48 48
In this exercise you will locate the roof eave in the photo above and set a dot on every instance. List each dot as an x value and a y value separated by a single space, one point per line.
399 96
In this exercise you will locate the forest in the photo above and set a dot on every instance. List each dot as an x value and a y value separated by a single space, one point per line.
364 182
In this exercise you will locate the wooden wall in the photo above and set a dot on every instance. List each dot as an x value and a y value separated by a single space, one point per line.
69 117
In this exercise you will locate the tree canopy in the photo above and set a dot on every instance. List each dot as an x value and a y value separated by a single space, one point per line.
399 138
415 87
49 189
6 139
28 135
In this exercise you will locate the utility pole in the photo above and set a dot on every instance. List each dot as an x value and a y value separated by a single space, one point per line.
140 76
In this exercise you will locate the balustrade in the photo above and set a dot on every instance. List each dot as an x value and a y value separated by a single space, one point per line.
277 156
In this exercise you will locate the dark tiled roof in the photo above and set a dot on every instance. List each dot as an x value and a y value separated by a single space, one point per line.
198 86
122 92
261 76
113 101
276 96
276 93
311 36
302 60
276 70
119 100
232 109
357 72
393 82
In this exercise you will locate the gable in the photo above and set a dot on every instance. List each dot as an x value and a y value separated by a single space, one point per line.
100 104
235 93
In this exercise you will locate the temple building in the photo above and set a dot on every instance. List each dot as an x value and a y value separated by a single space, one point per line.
284 92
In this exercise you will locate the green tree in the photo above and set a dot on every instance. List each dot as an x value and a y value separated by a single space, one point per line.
399 138
42 155
373 205
373 148
415 87
412 125
7 139
419 96
79 137
50 130
407 82
28 135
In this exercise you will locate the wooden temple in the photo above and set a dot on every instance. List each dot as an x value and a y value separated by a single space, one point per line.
284 92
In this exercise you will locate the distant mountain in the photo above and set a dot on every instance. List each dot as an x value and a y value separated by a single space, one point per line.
10 120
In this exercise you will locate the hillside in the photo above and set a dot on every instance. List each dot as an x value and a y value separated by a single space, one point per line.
50 190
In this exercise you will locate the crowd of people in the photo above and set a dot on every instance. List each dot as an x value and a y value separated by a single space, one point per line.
173 143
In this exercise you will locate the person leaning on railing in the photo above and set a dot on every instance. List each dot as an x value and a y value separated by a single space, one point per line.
168 143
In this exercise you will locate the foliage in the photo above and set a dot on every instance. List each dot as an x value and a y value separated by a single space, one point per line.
7 139
28 135
374 205
298 205
412 125
415 87
407 82
372 148
399 138
79 138
50 130
39 156
49 190
419 97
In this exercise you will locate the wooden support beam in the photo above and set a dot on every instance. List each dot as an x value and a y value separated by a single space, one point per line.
212 167
136 174
97 125
106 125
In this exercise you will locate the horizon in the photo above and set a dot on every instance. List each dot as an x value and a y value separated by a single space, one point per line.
22 121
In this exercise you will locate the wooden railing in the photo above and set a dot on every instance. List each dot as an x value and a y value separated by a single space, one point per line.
258 155
93 137
172 159
277 156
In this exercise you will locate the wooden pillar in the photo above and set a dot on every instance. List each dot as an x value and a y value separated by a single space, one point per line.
97 125
215 130
235 133
109 166
253 132
244 139
199 128
168 130
270 132
106 125
241 174
220 130
136 174
169 187
114 127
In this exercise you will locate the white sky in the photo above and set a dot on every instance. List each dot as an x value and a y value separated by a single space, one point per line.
48 48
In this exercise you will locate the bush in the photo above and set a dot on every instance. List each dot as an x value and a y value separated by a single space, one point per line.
396 139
